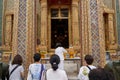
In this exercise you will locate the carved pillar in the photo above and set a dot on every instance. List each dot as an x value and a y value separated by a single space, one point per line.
85 29
112 41
101 34
31 40
111 29
75 26
44 23
8 32
15 29
24 31
20 30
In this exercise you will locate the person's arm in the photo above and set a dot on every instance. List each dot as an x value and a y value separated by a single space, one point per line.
64 50
22 72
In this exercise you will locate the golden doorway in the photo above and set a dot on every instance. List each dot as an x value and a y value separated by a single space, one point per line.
59 32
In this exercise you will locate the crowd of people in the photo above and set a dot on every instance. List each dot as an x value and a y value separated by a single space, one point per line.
38 71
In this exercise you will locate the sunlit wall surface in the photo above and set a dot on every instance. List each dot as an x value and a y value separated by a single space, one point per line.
1 9
118 18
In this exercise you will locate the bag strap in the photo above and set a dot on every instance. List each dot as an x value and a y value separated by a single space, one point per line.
42 68
89 68
13 70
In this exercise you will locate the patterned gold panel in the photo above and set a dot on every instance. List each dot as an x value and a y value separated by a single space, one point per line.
85 27
16 9
101 34
24 31
10 6
30 31
109 4
22 28
95 31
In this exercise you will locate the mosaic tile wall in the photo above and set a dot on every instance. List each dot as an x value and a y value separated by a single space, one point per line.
1 9
22 27
10 6
95 31
118 19
109 3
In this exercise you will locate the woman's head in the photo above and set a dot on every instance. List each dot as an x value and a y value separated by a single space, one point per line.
54 61
89 59
37 57
17 60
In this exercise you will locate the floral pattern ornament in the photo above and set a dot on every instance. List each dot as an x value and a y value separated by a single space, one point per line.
85 72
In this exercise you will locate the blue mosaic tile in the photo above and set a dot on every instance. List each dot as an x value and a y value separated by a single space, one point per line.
95 31
22 27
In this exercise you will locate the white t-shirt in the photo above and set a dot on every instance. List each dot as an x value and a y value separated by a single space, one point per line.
56 75
60 52
16 75
84 71
35 70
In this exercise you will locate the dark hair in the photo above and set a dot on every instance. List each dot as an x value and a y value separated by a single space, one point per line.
89 59
58 45
37 57
17 60
54 61
100 74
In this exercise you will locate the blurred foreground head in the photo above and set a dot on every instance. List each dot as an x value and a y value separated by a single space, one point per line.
100 74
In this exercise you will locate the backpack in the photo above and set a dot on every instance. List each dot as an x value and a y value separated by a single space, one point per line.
5 71
42 70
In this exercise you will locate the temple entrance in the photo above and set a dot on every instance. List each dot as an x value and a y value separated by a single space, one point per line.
59 32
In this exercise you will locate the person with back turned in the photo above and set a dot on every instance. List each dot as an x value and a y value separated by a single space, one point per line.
84 70
55 73
60 52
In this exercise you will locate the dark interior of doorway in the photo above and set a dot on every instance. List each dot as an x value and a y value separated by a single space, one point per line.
59 32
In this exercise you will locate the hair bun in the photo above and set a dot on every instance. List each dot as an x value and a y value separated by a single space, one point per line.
54 63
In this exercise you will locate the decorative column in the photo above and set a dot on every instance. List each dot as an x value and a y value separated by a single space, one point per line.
85 27
112 41
8 33
94 30
75 26
31 30
15 29
2 9
44 24
118 19
101 34
111 29
24 31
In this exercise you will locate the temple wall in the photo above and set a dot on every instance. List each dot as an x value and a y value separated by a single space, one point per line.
93 41
27 25
1 16
118 19
7 24
9 9
94 31
109 3
38 21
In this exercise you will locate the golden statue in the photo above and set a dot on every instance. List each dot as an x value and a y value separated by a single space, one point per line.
71 52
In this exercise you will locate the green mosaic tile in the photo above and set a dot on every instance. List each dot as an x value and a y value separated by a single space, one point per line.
118 19
1 9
